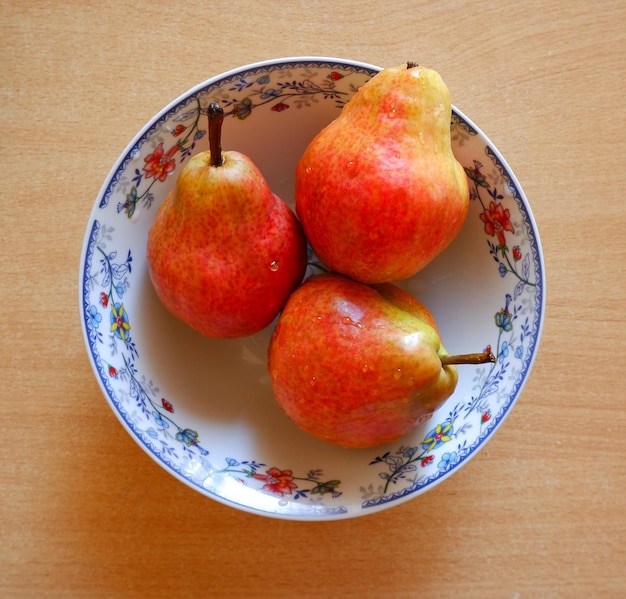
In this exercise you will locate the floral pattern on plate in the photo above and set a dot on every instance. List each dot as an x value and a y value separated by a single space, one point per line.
109 279
305 480
407 469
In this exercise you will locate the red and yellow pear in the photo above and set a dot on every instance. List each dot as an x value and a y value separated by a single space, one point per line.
359 365
224 252
379 191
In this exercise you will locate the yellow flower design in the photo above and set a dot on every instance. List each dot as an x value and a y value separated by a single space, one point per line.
438 436
119 321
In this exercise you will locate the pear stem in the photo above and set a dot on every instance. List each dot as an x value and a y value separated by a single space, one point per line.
411 64
216 118
483 358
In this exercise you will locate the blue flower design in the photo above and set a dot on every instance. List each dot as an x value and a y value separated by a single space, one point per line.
410 452
502 269
504 320
243 109
158 418
95 318
187 436
130 203
271 93
519 352
447 459
504 352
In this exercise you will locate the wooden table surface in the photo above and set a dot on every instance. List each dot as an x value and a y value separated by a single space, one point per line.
539 512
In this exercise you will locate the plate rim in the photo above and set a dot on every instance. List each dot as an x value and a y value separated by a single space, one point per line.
389 500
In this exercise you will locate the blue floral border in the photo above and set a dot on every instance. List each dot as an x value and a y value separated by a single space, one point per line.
318 510
291 509
539 306
209 86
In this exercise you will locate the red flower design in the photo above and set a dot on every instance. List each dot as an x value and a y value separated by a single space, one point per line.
178 130
496 219
104 299
280 107
160 163
517 253
112 371
277 481
167 405
335 76
486 417
427 460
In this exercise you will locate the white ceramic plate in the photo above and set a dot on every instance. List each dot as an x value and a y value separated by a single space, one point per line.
203 408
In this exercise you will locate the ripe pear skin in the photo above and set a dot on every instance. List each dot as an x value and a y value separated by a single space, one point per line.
357 365
379 192
224 252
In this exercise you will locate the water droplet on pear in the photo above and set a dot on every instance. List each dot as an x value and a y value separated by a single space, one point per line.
348 321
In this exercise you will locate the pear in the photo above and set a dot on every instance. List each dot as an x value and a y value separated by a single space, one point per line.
358 365
378 191
224 251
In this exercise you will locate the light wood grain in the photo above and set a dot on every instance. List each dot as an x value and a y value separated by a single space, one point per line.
540 512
